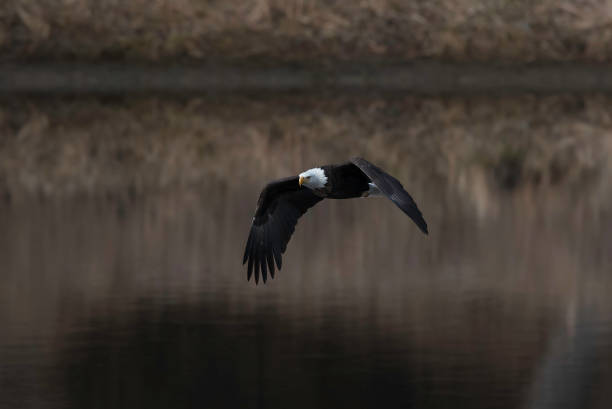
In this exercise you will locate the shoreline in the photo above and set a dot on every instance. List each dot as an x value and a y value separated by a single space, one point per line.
419 78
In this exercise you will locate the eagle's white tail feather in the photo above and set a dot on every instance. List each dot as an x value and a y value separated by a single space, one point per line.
373 191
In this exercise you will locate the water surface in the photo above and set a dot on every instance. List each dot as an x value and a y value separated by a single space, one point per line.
141 300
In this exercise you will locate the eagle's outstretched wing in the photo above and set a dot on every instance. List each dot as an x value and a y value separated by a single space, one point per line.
281 203
393 189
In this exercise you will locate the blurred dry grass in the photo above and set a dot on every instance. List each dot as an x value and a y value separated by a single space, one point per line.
479 146
300 31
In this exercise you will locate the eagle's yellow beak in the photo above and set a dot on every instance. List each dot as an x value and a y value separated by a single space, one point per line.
301 180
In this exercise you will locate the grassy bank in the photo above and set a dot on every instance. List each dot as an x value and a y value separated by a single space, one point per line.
271 31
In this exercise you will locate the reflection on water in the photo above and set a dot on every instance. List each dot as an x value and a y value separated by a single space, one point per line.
143 302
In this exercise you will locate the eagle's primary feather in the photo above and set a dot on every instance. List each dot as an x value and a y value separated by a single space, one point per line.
280 205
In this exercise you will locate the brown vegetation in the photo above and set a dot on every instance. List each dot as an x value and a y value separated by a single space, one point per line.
265 31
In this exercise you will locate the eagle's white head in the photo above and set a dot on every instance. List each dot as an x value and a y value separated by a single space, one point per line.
313 178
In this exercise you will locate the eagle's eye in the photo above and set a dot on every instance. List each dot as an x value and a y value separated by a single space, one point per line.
307 177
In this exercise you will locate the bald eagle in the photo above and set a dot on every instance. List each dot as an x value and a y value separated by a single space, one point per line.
282 202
